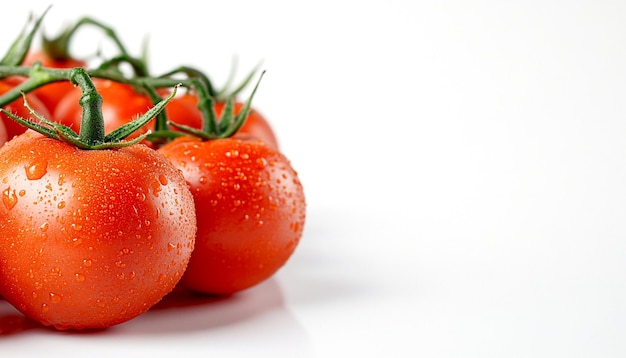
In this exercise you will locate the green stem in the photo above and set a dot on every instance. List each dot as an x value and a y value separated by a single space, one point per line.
58 48
92 122
37 77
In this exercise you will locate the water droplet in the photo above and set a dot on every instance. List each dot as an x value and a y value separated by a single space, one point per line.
22 192
44 307
87 262
80 277
261 162
54 297
140 196
36 170
170 246
61 205
163 179
232 153
203 180
9 198
156 187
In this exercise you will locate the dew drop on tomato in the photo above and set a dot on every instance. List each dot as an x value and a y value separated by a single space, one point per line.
55 298
9 198
36 170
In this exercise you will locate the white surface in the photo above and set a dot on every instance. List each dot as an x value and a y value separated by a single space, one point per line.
465 169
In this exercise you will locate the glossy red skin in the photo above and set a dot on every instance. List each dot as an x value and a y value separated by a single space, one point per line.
52 93
256 125
250 206
90 238
18 108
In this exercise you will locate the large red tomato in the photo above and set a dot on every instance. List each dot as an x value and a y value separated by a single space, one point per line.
90 238
251 211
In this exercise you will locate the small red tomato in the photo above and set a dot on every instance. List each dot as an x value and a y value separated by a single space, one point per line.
52 93
90 238
256 125
250 209
121 103
17 107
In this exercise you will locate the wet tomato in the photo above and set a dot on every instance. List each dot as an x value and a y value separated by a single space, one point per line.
250 208
90 238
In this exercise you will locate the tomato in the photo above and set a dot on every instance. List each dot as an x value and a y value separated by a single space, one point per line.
256 125
3 133
17 107
90 238
120 104
250 209
52 93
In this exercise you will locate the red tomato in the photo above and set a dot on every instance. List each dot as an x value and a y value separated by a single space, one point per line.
52 93
256 125
120 104
17 107
3 134
90 238
250 210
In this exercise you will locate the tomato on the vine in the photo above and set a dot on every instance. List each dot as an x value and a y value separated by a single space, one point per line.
90 238
250 206
51 94
17 107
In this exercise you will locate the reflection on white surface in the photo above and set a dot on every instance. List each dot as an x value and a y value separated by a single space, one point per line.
253 322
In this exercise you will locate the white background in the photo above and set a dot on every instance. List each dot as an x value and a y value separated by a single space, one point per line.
464 164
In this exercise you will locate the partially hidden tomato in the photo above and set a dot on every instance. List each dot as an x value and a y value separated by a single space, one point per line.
3 134
250 209
90 238
256 125
121 103
17 107
52 93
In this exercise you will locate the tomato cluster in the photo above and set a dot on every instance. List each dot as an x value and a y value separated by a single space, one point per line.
119 187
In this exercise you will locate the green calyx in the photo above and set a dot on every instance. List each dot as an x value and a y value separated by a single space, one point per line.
91 135
213 128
